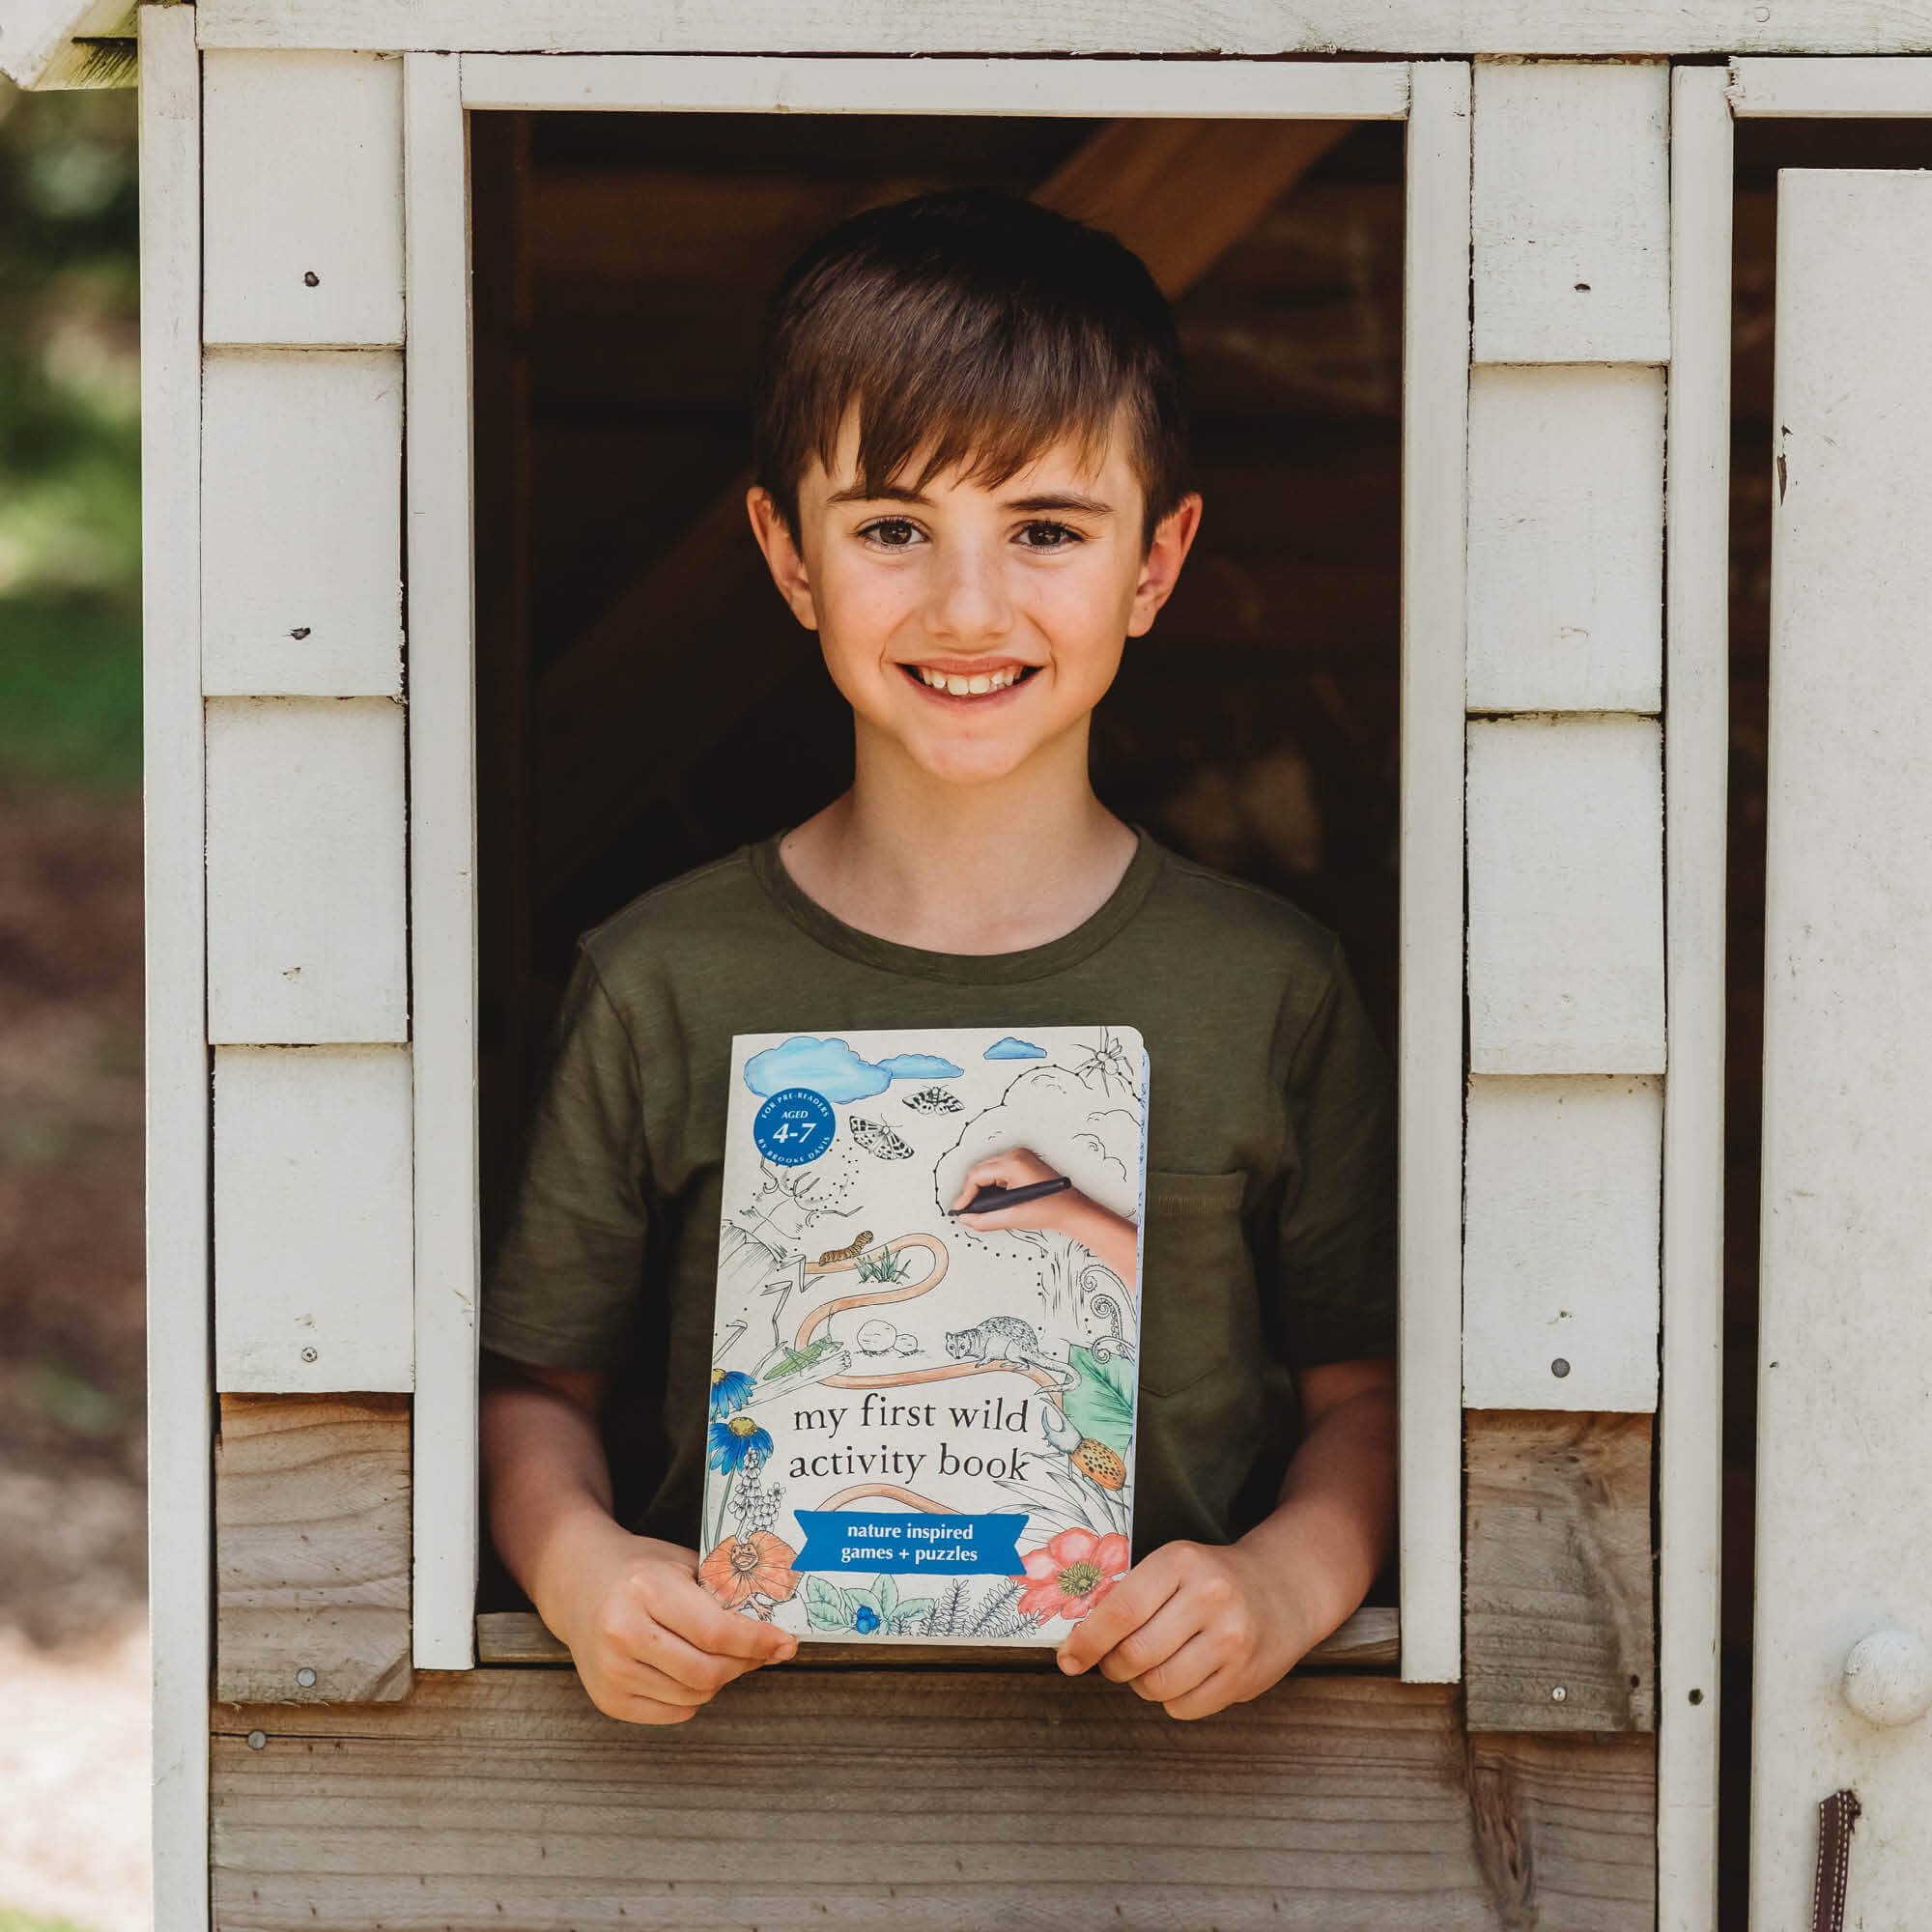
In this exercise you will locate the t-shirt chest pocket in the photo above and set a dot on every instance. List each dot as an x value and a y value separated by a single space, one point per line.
1198 1308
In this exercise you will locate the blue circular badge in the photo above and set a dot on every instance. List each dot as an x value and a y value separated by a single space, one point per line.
795 1125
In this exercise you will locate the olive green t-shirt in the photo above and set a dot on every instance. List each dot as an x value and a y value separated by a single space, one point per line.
1269 1236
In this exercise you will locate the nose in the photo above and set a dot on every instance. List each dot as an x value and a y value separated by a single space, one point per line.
968 601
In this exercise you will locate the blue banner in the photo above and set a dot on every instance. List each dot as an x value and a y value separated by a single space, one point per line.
929 1545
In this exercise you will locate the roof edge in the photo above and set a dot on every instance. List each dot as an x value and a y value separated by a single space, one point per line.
71 43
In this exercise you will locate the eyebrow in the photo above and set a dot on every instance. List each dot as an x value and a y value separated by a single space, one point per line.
1054 500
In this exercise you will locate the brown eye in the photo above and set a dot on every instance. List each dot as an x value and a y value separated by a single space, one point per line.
895 532
1050 536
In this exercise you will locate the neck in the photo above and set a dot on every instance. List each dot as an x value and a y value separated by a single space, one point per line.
973 868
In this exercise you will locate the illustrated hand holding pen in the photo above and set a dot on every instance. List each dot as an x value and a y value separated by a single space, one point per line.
991 1198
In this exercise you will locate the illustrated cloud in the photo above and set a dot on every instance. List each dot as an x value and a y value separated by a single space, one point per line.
919 1066
829 1066
1010 1048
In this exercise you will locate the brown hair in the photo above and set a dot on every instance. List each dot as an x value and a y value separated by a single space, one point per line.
980 328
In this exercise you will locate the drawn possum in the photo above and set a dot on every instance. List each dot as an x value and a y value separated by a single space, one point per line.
1001 1338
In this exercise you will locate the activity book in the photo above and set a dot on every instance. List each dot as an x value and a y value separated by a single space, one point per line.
922 1427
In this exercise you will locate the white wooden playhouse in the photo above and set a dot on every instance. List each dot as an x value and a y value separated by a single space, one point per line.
1531 1739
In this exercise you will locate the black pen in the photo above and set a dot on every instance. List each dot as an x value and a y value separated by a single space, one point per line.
990 1200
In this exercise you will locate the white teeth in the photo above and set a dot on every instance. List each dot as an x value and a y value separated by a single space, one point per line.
976 686
979 684
959 686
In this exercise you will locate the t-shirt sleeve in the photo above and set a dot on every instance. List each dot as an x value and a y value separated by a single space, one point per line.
562 1283
1337 1228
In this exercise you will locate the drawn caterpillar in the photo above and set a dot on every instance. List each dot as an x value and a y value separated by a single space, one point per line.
832 1257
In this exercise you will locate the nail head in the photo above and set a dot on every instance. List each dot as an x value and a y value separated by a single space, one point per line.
257 1739
1559 1368
311 278
308 1354
1557 1695
306 1677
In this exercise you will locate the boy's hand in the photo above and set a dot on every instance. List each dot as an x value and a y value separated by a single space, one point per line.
650 1643
1193 1628
1018 1167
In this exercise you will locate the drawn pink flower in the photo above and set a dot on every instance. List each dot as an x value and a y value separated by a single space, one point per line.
1071 1574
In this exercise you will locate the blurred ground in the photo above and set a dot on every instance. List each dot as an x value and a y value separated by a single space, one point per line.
73 1744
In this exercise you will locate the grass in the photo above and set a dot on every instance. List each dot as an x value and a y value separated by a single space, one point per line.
70 696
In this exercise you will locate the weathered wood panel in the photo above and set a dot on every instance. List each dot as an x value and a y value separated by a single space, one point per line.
1560 1256
1845 1322
911 1800
1566 896
1566 539
305 906
1091 26
1558 1634
302 524
1435 466
302 218
179 1420
1571 212
312 1549
314 1285
1369 1637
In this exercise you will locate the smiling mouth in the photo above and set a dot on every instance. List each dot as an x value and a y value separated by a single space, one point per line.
965 684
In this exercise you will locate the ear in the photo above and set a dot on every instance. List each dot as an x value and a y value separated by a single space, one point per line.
781 555
1172 538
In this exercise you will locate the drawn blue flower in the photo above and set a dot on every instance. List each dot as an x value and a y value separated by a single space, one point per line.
731 1389
734 1441
867 1620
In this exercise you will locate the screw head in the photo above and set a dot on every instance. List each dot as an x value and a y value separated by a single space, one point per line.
306 1677
308 1354
257 1739
1558 1694
311 278
1559 1368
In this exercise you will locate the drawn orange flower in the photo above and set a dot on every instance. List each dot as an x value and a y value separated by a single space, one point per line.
1072 1573
744 1567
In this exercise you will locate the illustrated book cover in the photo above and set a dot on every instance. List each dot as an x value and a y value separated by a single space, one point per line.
924 1378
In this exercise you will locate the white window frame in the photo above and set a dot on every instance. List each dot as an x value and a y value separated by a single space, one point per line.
1434 98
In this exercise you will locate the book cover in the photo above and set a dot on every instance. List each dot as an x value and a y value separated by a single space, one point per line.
922 1424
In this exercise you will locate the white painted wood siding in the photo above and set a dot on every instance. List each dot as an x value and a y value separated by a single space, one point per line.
1560 1256
1566 896
1845 1319
1571 212
303 206
1095 26
181 1556
305 902
1566 539
302 523
312 1223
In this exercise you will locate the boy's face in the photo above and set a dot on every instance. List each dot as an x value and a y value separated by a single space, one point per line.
975 628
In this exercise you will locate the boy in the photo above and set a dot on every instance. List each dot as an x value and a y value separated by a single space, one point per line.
972 484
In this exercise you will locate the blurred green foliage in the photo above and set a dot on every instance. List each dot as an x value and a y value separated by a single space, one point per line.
69 438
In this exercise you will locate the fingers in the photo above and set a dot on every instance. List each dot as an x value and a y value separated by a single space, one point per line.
1147 1648
1215 1692
1137 1597
706 1625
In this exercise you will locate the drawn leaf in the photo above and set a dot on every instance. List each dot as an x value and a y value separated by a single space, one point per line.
825 1604
887 1596
911 1610
1101 1403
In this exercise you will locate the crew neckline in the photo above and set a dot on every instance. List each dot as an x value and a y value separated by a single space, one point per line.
917 962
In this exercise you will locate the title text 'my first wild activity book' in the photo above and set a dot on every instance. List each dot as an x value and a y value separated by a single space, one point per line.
921 1428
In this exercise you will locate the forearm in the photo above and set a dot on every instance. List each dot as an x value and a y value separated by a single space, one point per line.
1334 1524
545 1481
1107 1236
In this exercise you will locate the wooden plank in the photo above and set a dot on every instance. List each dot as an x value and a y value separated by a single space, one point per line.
1697 740
890 1798
1868 90
305 941
312 1549
1571 212
1435 374
1560 1289
301 569
1845 1324
1566 539
1101 89
1094 27
1559 1586
49 44
313 1279
443 862
303 212
1369 1639
180 1415
1566 900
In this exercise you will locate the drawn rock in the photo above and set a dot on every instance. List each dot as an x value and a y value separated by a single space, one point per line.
935 1101
907 1345
876 1138
876 1337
